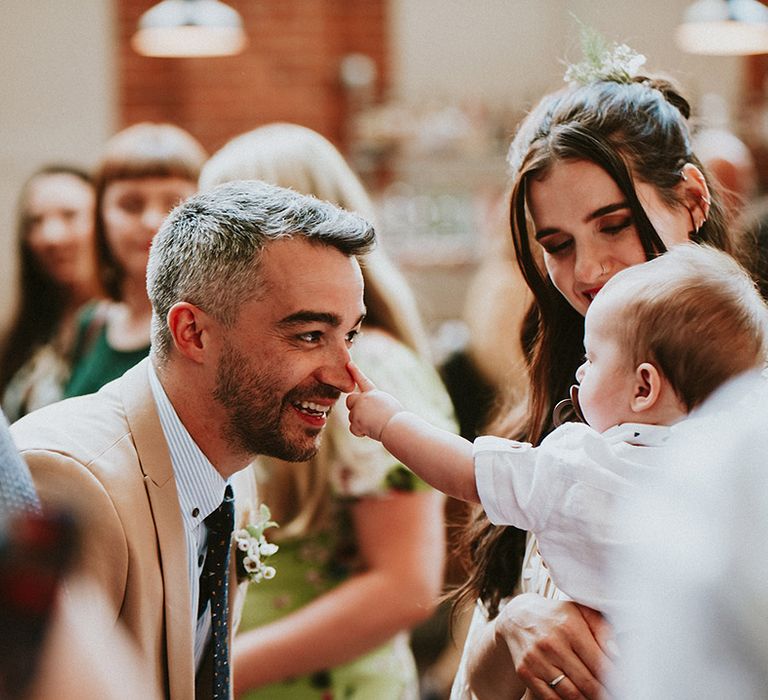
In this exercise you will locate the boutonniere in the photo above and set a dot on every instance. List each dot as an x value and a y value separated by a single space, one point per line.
253 548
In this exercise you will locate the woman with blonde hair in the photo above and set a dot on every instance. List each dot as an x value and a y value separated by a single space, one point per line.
145 171
361 538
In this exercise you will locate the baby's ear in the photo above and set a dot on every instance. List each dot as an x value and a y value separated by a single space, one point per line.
647 388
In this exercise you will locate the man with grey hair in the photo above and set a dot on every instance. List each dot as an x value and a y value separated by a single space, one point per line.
257 296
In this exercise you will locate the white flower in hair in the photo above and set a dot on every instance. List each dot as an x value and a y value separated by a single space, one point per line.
603 61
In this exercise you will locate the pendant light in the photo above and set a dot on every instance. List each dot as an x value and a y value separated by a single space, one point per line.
724 28
187 28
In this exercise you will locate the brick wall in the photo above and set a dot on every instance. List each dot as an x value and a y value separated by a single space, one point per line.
288 72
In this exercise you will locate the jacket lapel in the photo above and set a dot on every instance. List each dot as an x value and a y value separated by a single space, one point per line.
156 465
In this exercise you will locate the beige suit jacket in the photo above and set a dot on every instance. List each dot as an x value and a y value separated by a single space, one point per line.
105 456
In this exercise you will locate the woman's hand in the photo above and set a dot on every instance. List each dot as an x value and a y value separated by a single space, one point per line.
547 639
541 640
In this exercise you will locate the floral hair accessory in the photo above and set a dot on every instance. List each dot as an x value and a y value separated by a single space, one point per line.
603 61
253 548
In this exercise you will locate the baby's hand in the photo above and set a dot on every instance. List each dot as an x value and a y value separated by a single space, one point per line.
369 409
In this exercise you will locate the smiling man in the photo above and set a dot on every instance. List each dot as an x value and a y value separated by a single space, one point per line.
277 387
257 296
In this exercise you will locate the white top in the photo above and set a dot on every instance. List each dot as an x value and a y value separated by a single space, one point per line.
201 490
566 492
699 628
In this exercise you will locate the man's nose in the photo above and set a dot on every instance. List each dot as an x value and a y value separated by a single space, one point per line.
580 372
334 370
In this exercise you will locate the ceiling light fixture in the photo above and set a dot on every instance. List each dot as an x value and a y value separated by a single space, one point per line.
724 28
187 28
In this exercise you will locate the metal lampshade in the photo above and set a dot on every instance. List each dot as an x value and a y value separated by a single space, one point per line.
724 28
185 28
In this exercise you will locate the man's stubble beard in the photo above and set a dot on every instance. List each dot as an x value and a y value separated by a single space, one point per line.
255 409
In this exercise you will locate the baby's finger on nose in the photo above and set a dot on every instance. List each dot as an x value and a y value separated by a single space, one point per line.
363 383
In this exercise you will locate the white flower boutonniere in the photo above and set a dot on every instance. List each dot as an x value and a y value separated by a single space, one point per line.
253 548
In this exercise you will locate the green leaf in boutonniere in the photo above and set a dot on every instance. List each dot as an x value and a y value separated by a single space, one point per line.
253 549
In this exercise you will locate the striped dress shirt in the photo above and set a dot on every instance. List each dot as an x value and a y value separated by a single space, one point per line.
201 490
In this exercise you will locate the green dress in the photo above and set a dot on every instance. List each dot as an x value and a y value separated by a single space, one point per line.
309 566
96 362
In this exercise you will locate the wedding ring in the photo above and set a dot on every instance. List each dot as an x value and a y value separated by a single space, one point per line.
555 681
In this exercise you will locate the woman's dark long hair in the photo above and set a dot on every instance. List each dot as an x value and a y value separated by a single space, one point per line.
42 302
634 131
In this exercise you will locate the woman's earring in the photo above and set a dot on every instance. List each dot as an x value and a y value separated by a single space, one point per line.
696 227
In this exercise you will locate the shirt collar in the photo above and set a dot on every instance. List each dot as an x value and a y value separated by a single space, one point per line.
641 434
199 485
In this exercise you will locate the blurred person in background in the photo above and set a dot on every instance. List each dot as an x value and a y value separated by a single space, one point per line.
55 243
731 165
49 635
145 170
361 538
700 624
492 362
753 227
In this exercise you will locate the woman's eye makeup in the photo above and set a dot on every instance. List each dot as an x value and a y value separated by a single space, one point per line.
556 244
615 226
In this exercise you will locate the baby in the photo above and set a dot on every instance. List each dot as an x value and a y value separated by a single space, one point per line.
659 338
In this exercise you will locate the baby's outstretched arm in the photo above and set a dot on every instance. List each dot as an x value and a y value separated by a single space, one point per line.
442 459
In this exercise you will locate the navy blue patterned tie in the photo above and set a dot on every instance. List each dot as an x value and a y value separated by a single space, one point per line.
213 587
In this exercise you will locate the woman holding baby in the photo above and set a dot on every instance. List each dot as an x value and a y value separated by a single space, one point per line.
603 178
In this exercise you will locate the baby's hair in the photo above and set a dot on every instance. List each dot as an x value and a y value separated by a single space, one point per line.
695 313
